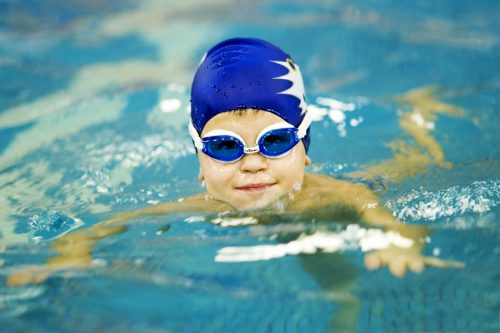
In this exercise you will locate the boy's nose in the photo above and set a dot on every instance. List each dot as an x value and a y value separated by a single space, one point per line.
253 163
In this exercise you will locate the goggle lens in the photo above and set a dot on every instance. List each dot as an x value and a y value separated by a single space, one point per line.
223 148
277 142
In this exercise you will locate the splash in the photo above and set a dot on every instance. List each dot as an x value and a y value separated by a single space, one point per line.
353 237
479 197
48 224
337 111
235 221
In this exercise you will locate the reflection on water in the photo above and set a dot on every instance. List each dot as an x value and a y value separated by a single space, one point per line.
410 160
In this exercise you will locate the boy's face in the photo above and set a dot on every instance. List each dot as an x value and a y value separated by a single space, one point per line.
254 181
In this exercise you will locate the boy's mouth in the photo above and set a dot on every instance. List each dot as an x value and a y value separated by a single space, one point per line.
255 187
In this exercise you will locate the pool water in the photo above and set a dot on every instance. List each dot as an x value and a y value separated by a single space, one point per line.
93 117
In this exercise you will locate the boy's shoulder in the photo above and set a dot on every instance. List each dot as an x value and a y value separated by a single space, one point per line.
320 191
320 182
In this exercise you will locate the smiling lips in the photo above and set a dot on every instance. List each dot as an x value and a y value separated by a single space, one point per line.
257 187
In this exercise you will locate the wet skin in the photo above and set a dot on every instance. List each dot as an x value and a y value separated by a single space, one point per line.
254 181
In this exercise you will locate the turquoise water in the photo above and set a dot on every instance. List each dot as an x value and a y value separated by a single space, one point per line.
93 115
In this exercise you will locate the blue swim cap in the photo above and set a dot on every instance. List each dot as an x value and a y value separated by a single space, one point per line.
243 73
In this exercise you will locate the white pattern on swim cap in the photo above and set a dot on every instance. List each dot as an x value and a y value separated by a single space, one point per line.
297 88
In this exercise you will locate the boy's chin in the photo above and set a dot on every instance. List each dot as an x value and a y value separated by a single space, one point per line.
265 203
251 206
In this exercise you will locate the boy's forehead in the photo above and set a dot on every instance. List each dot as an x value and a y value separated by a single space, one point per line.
241 119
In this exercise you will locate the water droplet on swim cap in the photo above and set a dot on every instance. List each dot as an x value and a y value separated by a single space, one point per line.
266 76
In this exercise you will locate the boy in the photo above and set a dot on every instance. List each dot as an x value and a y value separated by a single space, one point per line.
250 126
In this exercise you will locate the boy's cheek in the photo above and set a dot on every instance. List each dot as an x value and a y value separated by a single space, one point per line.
208 163
216 175
293 163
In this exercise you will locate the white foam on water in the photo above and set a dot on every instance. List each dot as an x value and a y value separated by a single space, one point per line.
235 221
337 112
354 237
479 197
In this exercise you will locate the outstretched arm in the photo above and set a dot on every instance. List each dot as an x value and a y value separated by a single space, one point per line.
74 250
333 192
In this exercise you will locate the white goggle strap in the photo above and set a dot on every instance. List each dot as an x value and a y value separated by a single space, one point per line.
198 142
279 125
195 136
304 125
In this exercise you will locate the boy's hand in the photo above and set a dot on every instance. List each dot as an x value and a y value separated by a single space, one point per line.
74 252
400 259
28 275
38 274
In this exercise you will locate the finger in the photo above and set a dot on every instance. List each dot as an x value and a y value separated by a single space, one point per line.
372 261
416 265
40 277
18 279
431 261
397 266
21 278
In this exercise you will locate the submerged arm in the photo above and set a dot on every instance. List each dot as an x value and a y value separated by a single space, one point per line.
75 249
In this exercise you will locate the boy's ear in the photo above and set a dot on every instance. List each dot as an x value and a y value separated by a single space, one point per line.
308 161
201 176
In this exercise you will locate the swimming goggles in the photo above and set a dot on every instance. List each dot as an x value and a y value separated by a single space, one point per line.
273 141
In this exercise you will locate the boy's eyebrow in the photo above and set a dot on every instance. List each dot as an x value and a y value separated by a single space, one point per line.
240 112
